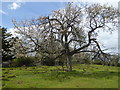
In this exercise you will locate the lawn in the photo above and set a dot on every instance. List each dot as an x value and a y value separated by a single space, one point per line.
82 76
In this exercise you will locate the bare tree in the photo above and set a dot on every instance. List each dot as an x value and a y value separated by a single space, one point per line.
70 30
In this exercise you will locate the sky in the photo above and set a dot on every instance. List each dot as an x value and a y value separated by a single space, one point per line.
28 10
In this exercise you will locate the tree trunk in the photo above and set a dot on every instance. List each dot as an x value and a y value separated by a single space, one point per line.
69 63
63 66
56 64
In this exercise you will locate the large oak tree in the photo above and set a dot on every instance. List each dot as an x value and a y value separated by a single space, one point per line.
69 31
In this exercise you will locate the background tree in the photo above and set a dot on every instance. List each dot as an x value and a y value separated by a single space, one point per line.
7 45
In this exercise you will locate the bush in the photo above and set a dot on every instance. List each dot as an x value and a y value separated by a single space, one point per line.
23 61
48 61
5 64
98 62
112 63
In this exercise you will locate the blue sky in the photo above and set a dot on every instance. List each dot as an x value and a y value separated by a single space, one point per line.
26 10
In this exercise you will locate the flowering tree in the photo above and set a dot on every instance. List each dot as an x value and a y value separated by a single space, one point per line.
69 31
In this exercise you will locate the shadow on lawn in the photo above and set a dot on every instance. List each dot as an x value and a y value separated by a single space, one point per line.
61 75
67 75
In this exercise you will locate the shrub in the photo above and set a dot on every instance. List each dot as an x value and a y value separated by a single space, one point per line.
5 64
23 61
98 62
48 61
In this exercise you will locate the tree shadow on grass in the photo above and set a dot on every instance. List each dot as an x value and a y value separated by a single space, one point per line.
96 75
61 76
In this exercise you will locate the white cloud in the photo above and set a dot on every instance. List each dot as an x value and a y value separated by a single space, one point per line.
109 41
2 12
14 5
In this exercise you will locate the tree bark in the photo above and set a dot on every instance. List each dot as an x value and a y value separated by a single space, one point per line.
69 63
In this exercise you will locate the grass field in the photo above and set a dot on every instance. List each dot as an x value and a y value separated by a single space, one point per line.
93 76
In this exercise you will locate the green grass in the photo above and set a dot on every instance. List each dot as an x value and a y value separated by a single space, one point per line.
93 76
